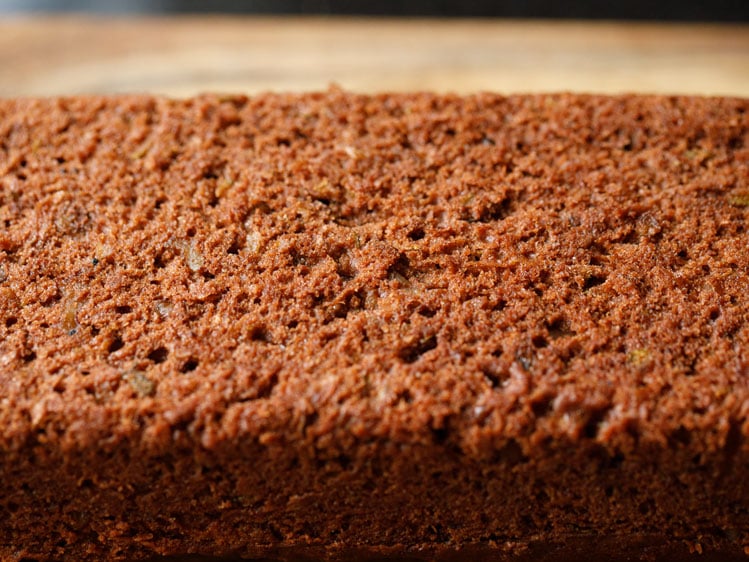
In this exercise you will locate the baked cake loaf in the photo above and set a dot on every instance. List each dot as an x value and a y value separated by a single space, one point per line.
350 327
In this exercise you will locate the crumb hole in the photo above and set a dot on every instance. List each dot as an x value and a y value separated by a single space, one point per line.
539 341
426 312
125 309
593 281
259 334
416 233
116 344
158 355
410 353
10 321
400 269
542 406
190 365
341 309
499 306
495 211
630 238
494 376
680 438
559 328
233 249
440 435
595 419
266 388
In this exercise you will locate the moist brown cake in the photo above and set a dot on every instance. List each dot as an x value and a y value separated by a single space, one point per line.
351 327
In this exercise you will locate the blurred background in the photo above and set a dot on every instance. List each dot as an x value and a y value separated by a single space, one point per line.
675 10
185 47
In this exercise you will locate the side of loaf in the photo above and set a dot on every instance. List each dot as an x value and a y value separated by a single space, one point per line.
339 326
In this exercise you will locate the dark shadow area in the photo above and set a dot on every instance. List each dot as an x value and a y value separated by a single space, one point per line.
666 10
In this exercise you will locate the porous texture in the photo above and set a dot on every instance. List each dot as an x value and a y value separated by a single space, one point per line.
333 325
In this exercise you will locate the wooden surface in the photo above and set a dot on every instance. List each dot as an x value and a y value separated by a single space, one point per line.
182 56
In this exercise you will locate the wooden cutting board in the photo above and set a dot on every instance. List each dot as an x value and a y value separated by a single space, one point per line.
185 55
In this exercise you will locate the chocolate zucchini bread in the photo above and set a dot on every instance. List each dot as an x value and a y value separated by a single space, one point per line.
336 326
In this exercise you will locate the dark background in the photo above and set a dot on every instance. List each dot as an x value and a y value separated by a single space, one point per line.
674 10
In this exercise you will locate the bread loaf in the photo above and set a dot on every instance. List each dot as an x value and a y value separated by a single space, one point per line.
338 326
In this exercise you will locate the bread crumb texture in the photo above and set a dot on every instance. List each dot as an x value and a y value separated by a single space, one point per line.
439 321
